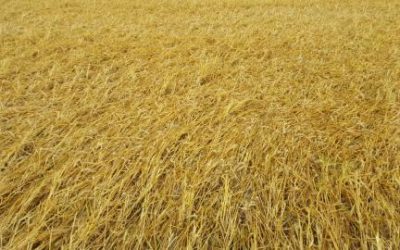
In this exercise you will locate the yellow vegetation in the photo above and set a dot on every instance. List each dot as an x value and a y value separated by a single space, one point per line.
200 124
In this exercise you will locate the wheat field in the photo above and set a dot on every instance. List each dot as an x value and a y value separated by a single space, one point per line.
185 124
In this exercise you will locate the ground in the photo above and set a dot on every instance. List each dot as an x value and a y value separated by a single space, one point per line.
270 124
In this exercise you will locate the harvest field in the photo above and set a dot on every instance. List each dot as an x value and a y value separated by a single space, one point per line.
180 124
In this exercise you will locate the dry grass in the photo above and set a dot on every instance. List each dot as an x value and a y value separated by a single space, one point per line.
200 124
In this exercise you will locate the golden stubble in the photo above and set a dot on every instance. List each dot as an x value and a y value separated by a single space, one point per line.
199 124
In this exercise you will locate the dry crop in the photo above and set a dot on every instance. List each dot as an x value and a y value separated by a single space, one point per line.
200 124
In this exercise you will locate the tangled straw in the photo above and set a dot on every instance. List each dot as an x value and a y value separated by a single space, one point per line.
200 124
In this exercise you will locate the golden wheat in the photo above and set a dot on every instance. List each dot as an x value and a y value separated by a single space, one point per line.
200 124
